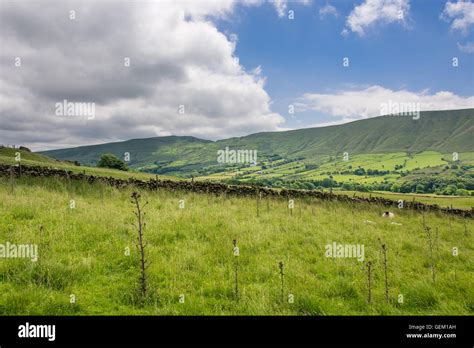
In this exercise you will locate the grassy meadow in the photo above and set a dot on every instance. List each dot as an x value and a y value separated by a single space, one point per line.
457 202
83 255
7 156
334 165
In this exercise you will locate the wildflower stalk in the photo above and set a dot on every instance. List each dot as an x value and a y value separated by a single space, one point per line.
141 244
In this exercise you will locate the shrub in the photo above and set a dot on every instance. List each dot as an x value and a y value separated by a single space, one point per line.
109 160
23 148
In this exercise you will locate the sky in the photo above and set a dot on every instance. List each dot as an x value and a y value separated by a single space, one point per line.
217 69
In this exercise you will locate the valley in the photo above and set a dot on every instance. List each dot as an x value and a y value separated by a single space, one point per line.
432 154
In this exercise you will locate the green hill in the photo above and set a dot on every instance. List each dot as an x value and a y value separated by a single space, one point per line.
142 151
440 131
7 156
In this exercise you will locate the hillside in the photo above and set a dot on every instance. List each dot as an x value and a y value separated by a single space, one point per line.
7 156
89 250
31 162
142 151
441 131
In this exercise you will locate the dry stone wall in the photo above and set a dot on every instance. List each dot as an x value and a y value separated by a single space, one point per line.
222 189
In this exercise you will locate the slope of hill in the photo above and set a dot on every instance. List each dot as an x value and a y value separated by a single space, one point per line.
441 131
190 251
142 151
8 153
7 156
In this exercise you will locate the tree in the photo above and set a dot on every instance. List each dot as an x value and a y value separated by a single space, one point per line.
109 160
348 186
420 188
450 190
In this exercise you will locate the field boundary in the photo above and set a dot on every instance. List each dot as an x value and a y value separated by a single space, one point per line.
221 189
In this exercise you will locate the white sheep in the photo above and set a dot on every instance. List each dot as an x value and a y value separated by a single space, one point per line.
388 215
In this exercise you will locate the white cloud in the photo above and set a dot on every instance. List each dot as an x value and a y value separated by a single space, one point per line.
328 10
282 5
373 12
175 60
257 71
366 102
467 47
461 13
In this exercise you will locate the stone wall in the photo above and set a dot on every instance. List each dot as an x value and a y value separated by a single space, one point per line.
222 189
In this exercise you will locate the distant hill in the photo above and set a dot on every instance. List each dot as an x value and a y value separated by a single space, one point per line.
142 151
25 154
441 131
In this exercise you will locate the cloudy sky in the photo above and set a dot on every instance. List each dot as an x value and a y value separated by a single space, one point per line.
215 69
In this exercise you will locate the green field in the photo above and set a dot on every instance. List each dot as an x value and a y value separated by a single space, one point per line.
7 156
190 250
430 176
387 161
434 155
456 202
442 132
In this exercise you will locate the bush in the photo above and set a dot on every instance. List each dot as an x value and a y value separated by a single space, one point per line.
23 148
109 160
348 186
420 188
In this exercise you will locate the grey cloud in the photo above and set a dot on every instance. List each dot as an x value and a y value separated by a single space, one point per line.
173 62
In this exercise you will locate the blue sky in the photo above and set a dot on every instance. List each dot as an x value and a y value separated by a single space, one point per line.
183 77
304 55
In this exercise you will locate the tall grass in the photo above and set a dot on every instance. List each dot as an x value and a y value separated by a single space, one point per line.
81 253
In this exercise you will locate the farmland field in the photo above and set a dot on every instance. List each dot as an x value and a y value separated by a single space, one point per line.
387 161
457 202
7 156
83 253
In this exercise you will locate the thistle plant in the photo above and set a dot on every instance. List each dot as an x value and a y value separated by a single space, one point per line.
429 236
140 242
258 197
236 268
282 275
384 250
41 240
353 221
369 282
11 178
424 221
